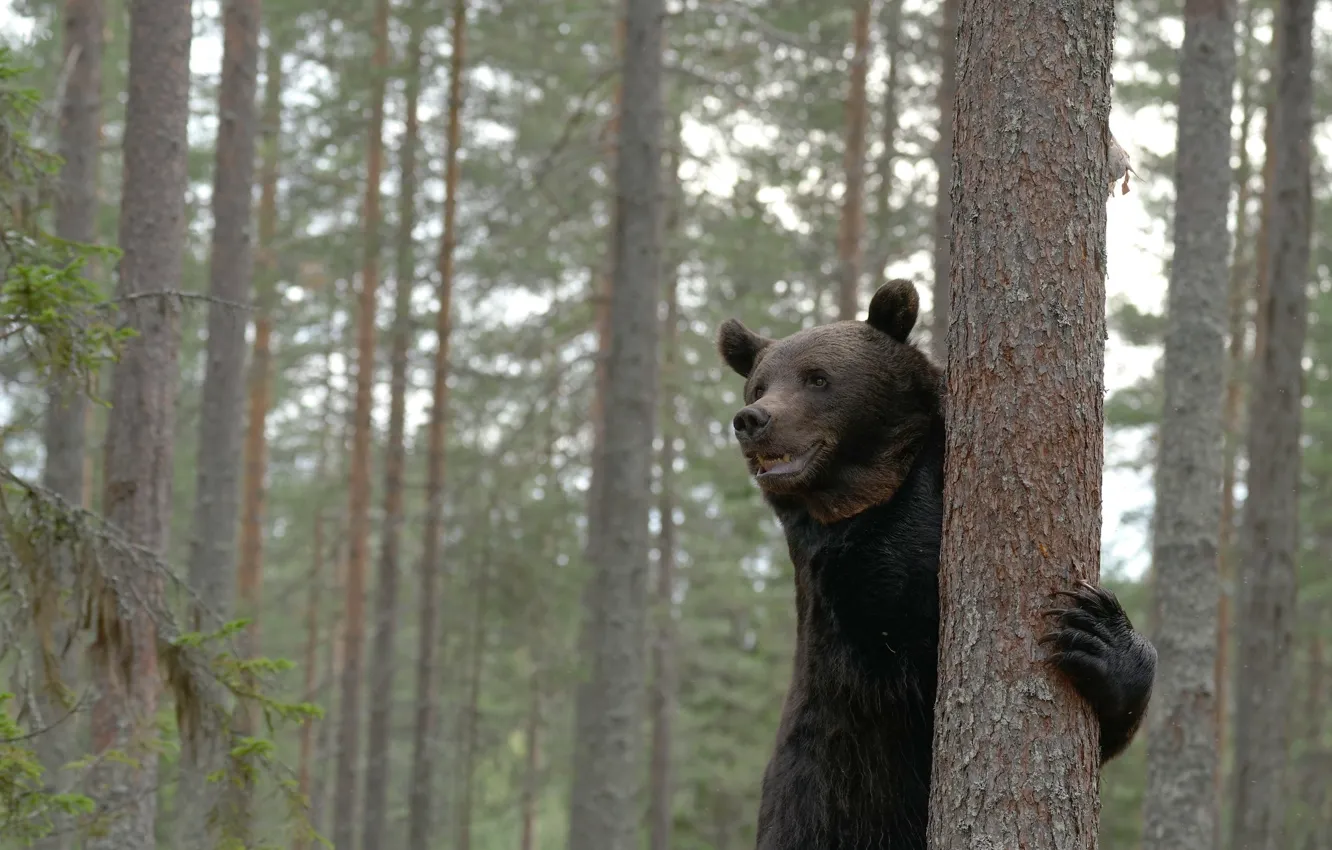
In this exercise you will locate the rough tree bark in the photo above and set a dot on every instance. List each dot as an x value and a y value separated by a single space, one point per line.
1016 757
383 663
849 249
609 773
212 566
67 407
1180 808
1268 541
421 801
943 166
140 438
358 513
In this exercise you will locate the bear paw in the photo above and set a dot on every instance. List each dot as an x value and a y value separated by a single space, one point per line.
1109 663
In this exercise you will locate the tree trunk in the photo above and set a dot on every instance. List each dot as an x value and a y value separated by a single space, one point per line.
892 41
1268 533
422 799
386 613
217 493
943 166
1312 786
620 554
471 715
853 166
358 515
532 758
662 699
586 709
67 408
1241 271
311 660
1180 807
1015 749
141 428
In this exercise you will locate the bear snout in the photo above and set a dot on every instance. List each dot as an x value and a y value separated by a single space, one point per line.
751 423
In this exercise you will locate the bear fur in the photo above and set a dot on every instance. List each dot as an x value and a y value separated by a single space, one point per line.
843 431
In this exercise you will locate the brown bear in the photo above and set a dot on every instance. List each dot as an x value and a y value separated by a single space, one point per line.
843 432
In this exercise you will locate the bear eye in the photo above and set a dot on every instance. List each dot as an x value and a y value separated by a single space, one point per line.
818 381
758 392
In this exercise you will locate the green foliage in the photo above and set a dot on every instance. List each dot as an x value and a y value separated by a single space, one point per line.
48 306
27 807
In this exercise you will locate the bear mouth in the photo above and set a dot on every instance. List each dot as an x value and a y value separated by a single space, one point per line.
778 466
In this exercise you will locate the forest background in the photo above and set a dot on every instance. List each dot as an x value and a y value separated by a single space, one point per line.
757 103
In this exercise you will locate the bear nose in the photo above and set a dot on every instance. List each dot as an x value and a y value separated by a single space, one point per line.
750 422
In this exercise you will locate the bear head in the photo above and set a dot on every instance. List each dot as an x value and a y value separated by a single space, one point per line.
835 415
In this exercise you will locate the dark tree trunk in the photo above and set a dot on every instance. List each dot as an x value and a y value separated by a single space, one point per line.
424 752
67 407
1180 807
386 610
608 773
853 168
471 714
1015 748
1268 542
943 166
140 437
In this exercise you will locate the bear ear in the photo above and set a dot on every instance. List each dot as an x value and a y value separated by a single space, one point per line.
740 347
893 309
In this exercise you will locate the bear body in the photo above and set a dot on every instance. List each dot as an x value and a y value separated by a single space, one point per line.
843 431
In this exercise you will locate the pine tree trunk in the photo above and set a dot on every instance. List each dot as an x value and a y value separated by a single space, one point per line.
1268 541
1180 807
620 554
853 166
212 567
310 663
424 750
471 714
662 698
943 166
1016 759
358 514
255 452
892 41
141 428
532 758
386 612
67 410
586 708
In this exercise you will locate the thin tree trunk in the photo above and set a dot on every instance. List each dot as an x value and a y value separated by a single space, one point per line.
255 452
68 411
532 757
140 431
1180 807
358 515
1016 759
1241 272
471 717
1268 534
662 698
424 751
383 665
312 634
609 772
943 166
1312 786
849 249
217 493
892 42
